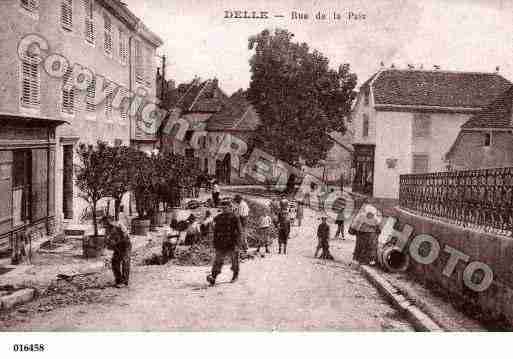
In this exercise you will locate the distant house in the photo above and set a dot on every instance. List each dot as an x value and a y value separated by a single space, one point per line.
486 140
237 118
405 121
195 103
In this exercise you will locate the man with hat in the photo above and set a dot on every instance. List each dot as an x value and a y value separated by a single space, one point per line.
117 239
227 239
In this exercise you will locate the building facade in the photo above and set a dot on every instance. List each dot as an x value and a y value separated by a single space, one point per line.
486 140
405 121
102 36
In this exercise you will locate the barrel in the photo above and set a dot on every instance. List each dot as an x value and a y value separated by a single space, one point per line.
93 247
140 227
392 258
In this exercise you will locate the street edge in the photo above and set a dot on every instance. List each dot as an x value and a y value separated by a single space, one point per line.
420 321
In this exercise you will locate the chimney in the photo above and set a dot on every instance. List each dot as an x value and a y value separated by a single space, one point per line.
392 66
411 67
436 67
215 83
382 64
497 69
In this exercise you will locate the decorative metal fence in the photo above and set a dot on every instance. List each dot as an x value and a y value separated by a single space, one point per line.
480 199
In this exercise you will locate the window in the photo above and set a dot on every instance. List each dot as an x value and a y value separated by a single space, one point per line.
139 62
90 97
30 81
30 5
107 43
123 47
67 14
421 125
68 95
420 163
365 129
89 22
487 139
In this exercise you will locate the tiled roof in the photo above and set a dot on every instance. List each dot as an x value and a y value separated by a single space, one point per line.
496 115
236 115
470 90
197 96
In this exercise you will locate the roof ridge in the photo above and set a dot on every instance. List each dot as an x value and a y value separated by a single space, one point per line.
447 71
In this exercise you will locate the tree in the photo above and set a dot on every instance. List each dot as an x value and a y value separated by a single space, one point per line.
298 97
92 174
121 168
143 182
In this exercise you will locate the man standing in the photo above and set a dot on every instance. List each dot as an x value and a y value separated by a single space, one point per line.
118 240
227 235
242 211
215 193
283 227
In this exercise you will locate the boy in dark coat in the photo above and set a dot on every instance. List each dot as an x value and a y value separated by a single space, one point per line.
227 240
323 236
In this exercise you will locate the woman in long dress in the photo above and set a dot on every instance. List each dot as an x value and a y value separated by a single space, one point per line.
366 228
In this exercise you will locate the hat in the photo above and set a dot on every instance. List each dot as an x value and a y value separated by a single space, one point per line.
192 217
237 197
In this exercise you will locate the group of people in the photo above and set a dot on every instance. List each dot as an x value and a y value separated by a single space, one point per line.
227 232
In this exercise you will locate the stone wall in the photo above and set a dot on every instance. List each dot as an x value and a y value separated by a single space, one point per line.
493 250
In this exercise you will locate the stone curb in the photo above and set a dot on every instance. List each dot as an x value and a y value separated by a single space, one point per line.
420 321
19 297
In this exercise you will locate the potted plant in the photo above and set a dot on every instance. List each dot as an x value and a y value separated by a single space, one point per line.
91 176
142 184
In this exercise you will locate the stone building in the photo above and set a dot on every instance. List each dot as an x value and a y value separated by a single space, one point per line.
103 36
405 121
486 140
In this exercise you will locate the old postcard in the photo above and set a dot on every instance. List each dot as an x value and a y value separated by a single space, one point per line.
255 166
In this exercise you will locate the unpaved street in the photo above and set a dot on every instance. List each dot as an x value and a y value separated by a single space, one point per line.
292 292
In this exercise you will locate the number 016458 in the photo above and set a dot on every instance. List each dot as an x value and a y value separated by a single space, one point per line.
29 347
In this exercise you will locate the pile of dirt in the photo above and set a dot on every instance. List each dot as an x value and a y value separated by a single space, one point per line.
95 288
200 254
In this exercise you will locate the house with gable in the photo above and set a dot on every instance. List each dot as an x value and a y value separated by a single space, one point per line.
405 121
486 140
194 102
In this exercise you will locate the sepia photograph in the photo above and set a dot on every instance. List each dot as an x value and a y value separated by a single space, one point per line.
255 166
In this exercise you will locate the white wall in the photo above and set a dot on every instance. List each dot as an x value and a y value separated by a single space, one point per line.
444 130
394 141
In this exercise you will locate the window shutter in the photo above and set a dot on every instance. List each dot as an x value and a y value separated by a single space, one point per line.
125 104
67 14
30 5
149 66
123 47
68 95
108 105
108 35
39 188
139 63
89 21
421 125
90 98
30 81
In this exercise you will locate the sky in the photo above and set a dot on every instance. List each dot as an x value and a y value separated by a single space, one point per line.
457 35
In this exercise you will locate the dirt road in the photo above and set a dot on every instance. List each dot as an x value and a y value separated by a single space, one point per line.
292 292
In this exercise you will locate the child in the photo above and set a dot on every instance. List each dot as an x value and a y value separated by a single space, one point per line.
323 235
264 234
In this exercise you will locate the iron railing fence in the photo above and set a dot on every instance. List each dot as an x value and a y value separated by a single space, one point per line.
480 199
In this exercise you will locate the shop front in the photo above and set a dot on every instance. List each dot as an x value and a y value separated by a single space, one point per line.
27 176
